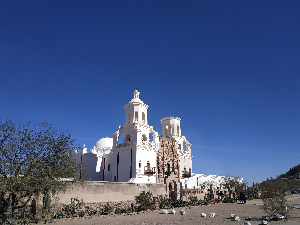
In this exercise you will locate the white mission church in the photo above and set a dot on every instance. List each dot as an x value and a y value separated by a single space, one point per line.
143 156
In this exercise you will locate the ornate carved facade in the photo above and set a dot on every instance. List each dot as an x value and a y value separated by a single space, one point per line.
167 161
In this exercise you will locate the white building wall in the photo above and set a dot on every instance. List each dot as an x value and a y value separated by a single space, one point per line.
198 180
145 155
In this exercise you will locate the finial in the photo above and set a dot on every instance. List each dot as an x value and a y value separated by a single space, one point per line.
136 94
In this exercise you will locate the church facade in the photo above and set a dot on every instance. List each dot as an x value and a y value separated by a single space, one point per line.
138 154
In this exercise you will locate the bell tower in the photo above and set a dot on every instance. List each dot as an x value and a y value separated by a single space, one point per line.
136 110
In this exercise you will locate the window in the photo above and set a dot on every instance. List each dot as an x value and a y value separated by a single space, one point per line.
108 167
136 115
129 115
143 117
140 165
128 137
166 130
115 178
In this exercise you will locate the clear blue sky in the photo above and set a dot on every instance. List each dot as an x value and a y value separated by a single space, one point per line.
229 69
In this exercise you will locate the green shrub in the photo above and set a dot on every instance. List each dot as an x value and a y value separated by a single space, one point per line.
75 205
107 209
193 200
164 201
228 200
179 203
145 201
273 202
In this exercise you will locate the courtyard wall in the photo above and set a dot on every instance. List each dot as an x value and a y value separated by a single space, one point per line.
101 191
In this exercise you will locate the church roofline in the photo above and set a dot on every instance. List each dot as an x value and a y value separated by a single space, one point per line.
170 118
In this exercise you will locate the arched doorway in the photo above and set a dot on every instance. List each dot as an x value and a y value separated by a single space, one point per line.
173 190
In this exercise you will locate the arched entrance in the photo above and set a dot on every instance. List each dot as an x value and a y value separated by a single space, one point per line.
173 190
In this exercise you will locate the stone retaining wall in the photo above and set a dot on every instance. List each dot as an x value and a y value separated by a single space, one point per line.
95 191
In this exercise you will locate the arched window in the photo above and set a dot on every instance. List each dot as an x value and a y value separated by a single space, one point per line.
143 117
128 137
166 130
129 115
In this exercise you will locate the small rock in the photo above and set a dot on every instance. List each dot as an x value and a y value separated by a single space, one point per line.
182 212
164 211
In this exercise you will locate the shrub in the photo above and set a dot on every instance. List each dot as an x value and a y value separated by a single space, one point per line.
273 203
193 200
73 208
179 203
145 201
228 200
107 209
164 201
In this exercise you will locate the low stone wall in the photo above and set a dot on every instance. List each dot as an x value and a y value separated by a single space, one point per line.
199 193
95 191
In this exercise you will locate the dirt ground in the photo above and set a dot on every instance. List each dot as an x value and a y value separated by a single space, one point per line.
192 215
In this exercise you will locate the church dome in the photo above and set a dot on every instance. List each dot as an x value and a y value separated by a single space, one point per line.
135 100
104 143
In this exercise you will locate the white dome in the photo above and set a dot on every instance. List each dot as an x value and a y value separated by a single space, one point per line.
104 143
135 100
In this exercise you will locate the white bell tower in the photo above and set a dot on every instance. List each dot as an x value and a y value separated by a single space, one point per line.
136 110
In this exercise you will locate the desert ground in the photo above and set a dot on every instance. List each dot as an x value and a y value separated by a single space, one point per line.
193 215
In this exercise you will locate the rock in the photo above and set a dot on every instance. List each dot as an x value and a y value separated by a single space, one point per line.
164 211
236 218
279 217
182 212
266 217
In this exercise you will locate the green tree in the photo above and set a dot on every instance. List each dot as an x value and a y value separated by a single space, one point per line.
273 202
232 184
33 160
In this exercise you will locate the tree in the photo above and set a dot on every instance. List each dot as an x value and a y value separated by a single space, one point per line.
33 161
273 202
232 184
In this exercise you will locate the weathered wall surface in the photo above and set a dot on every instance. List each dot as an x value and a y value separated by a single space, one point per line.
97 191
